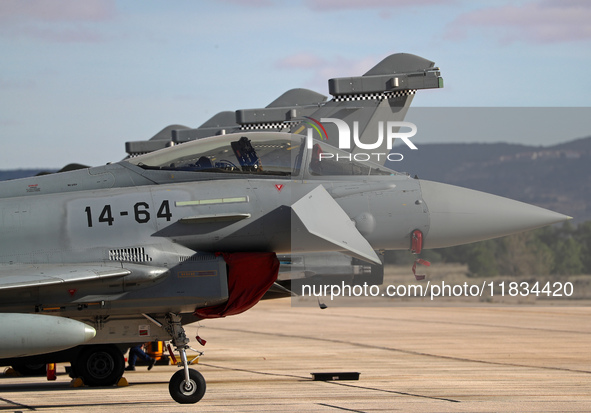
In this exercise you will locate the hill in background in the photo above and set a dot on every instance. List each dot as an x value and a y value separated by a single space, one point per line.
19 173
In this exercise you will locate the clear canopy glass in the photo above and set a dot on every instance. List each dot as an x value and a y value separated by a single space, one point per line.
261 154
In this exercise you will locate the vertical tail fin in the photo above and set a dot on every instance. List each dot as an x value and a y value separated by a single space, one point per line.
384 93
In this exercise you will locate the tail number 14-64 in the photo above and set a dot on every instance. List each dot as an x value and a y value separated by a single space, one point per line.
141 213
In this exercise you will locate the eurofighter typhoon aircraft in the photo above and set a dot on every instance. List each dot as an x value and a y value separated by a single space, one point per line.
97 259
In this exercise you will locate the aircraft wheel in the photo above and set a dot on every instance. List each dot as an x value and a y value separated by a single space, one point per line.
189 394
30 369
101 365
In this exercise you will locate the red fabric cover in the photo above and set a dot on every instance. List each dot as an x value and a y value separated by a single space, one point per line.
250 275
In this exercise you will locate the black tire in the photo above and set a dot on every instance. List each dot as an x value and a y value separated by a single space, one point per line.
31 369
100 365
180 394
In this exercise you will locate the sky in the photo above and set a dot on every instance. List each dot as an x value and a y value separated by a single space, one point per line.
80 78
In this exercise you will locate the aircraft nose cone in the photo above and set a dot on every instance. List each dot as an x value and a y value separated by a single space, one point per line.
460 216
89 333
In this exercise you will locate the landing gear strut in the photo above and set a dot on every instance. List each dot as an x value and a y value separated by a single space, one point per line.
186 386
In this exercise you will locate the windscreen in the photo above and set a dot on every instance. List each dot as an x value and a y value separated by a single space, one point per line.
262 154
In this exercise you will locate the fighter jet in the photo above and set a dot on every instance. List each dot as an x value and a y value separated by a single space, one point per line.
93 260
362 100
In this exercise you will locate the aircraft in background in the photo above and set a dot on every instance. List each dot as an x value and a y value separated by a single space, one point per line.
94 260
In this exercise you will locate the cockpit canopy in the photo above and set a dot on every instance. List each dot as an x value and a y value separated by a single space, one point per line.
258 153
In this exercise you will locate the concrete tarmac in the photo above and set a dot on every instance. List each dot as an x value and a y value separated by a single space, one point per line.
411 359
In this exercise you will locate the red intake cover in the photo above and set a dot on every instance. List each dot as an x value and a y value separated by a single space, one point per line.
250 275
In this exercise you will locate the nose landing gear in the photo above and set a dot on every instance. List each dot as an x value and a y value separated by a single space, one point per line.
187 391
186 386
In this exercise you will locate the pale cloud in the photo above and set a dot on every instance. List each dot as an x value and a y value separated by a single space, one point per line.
337 66
73 35
328 5
249 3
323 68
60 21
549 21
344 66
57 10
300 61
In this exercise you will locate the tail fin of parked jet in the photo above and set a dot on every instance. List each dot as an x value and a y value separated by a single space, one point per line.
384 93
